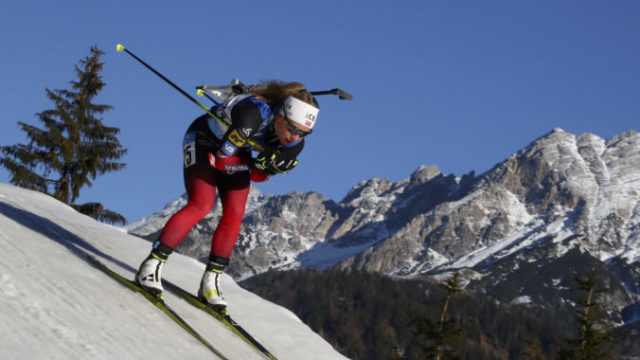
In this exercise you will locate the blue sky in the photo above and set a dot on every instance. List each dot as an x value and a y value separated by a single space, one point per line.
457 84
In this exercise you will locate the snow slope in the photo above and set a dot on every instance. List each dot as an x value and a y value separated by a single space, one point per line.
55 305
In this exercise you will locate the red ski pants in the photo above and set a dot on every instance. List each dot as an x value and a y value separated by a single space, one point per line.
201 182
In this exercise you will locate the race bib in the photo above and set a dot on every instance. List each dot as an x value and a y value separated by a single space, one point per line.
189 149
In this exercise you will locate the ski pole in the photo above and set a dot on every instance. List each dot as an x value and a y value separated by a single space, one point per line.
121 48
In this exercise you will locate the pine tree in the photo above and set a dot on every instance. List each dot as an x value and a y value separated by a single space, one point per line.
440 339
595 338
73 146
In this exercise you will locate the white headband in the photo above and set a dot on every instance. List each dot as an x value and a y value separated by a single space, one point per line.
299 111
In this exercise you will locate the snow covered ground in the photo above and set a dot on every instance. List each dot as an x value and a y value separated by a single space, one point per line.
55 305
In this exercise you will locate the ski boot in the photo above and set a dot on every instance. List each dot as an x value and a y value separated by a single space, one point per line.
209 292
149 275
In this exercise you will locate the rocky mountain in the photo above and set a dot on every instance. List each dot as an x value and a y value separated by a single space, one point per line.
519 232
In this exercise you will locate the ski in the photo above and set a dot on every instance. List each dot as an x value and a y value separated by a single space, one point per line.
220 315
157 300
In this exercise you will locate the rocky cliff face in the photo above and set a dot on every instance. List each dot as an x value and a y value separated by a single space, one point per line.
560 184
561 198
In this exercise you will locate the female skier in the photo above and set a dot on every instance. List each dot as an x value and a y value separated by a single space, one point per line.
275 115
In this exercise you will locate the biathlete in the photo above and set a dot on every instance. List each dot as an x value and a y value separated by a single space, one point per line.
275 115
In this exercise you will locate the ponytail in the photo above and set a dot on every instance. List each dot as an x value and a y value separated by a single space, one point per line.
276 92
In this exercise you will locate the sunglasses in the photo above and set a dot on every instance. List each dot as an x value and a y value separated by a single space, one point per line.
292 129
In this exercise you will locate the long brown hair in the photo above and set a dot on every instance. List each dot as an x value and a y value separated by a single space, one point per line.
276 92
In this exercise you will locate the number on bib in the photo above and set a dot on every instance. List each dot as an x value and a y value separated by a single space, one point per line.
189 149
189 155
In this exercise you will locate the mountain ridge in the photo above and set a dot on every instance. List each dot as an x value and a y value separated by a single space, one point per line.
562 192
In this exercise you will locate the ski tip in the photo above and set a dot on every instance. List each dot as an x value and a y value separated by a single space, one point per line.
119 47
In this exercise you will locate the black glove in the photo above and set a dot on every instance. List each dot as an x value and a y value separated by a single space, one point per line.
271 162
265 160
